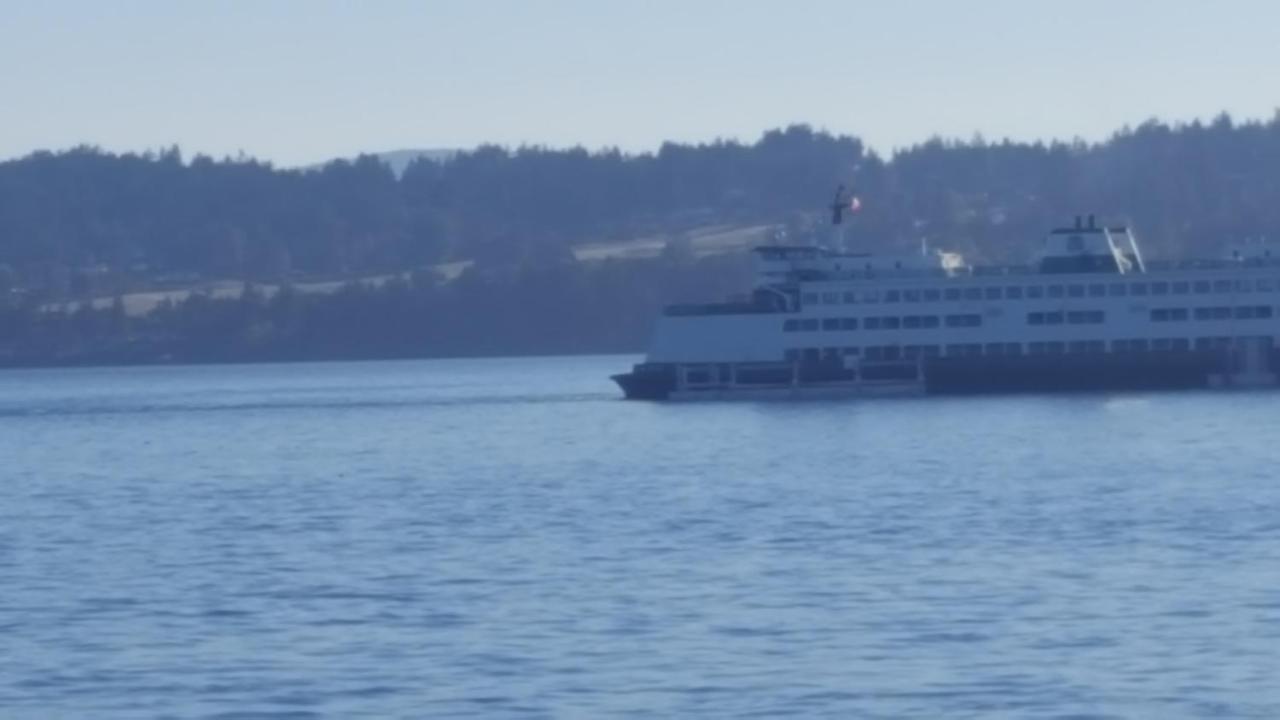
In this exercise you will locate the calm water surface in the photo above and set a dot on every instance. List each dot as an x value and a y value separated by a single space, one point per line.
506 538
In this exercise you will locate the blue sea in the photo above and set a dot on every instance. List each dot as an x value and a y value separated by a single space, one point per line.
509 539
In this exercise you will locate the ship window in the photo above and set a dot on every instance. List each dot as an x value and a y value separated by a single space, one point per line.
953 293
871 323
1085 317
1221 313
1204 313
1204 343
851 352
1035 318
1181 288
1013 348
767 375
1178 314
1160 315
1201 287
831 298
809 325
1097 290
697 377
1119 290
964 320
992 293
849 323
1055 348
1053 318
910 296
1162 344
1035 348
932 295
890 352
1078 347
929 321
973 294
1263 311
1119 346
1222 286
911 322
1265 285
850 298
1243 286
791 355
870 296
810 299
1035 291
892 296
1075 291
995 348
1055 291
1160 288
812 354
1244 313
1013 293
791 326
831 324
1138 289
931 350
889 323
1181 344
1139 345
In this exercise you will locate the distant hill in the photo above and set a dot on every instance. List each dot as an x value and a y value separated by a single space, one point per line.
539 250
398 160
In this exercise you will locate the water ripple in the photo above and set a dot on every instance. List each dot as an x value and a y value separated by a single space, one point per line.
504 539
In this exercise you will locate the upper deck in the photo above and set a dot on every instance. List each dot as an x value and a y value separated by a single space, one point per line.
788 276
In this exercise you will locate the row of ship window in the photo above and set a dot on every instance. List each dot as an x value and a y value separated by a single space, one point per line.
1075 347
909 322
1248 312
1018 292
1070 317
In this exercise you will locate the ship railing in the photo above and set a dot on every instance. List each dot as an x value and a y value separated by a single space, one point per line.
1210 264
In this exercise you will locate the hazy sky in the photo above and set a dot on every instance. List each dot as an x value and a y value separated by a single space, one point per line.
302 81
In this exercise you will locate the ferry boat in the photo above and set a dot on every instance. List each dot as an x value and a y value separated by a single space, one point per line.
1087 314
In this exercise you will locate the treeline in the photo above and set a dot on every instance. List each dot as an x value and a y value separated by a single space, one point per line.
84 223
69 219
66 217
560 308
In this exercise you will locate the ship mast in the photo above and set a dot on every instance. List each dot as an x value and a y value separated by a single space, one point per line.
842 203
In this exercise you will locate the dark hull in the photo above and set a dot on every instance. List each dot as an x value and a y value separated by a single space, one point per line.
987 374
647 382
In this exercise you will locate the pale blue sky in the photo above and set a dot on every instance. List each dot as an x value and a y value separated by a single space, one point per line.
301 81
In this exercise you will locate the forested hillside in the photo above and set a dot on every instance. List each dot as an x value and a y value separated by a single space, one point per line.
84 224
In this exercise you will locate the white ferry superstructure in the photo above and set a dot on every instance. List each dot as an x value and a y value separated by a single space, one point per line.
1088 314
